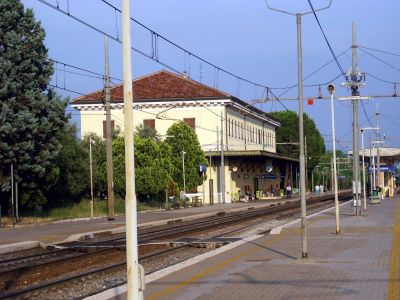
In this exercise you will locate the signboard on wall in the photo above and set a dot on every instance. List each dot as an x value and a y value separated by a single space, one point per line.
383 169
267 176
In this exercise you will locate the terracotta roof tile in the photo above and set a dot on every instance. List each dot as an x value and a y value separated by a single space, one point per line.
158 86
164 85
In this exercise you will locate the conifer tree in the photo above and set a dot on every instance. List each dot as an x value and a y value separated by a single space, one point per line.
30 115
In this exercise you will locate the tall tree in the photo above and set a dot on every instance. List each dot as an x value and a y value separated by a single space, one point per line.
182 137
152 166
289 133
72 166
29 117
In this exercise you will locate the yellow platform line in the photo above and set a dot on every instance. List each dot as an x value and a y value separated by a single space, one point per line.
174 288
393 288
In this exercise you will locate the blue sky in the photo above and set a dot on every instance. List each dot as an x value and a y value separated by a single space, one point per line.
245 38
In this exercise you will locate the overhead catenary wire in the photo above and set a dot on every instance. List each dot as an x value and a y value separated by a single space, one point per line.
153 57
326 40
381 51
380 60
334 55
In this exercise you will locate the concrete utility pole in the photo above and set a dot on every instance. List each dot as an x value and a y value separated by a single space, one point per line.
363 162
183 171
306 162
354 80
12 195
301 124
222 171
304 253
134 290
378 138
110 184
91 178
16 202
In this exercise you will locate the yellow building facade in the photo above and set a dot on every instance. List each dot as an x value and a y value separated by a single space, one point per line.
162 98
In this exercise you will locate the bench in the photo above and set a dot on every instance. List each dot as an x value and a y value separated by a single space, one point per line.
197 201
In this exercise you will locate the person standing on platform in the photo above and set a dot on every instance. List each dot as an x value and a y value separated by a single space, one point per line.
317 189
288 191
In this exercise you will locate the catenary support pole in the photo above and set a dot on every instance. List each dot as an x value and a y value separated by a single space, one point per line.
16 202
222 181
355 92
12 195
306 162
363 166
91 178
312 181
110 183
374 166
304 253
183 172
378 156
371 166
130 197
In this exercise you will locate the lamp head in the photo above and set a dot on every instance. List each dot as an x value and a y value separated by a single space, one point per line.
331 88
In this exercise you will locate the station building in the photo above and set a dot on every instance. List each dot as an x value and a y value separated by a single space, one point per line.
390 166
251 163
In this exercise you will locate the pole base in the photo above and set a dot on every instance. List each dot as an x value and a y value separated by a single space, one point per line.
304 255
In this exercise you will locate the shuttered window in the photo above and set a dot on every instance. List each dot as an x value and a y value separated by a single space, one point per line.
149 123
191 122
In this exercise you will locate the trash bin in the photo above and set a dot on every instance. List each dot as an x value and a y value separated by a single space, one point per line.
375 193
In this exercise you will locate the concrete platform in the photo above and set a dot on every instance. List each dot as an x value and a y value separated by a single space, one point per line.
360 263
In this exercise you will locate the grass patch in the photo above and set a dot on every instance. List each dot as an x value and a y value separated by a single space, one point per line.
78 210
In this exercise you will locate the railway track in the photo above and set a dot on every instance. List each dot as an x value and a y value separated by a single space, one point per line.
174 230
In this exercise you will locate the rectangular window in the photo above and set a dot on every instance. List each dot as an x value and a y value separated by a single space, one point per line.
259 136
149 123
105 128
191 122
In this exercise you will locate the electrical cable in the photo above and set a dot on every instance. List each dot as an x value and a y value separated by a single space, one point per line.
381 51
381 60
380 79
156 59
326 40
314 72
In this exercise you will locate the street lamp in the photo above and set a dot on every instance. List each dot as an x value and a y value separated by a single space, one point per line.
183 171
331 90
301 125
363 161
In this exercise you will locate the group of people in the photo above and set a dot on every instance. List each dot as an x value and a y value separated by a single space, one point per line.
319 189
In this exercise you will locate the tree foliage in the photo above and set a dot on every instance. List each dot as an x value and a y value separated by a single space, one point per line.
289 133
72 167
30 117
152 166
182 137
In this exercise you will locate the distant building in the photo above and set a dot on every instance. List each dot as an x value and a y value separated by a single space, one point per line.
162 98
390 163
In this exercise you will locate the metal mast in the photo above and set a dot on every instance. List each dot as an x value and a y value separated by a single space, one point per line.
301 124
110 185
354 80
